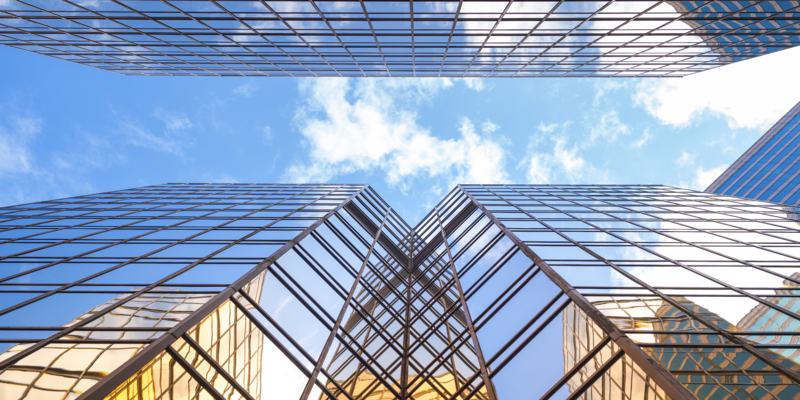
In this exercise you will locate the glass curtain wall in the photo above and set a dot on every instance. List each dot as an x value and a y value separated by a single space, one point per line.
451 38
202 291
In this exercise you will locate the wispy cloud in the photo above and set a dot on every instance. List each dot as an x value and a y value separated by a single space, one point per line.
561 163
17 131
371 125
173 139
686 159
607 127
646 136
246 90
704 177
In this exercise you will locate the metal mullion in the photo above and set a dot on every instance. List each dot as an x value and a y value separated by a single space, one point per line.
790 374
98 391
450 37
536 317
29 19
440 292
261 36
132 260
320 271
310 384
103 17
431 329
387 285
555 44
505 299
369 366
597 375
492 270
485 41
576 368
439 358
663 378
333 31
78 216
302 299
524 343
345 240
218 368
426 287
275 341
730 13
429 304
733 227
538 24
374 323
335 253
67 286
273 322
706 42
353 230
375 37
473 239
194 374
485 250
669 259
478 353
147 17
143 193
613 30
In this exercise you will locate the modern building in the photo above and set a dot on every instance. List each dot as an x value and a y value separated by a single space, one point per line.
386 38
260 291
770 169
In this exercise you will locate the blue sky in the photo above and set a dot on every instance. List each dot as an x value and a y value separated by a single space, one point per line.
67 129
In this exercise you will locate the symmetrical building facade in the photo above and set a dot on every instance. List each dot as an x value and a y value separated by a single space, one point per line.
258 291
458 38
770 169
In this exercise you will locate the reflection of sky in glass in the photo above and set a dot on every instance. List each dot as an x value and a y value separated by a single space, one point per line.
512 291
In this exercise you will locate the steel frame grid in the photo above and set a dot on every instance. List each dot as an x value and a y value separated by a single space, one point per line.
449 244
770 177
381 38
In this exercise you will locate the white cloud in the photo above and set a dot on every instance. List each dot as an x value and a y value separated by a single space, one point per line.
489 127
749 94
603 86
646 136
246 90
173 122
561 164
16 133
704 178
173 140
608 128
686 159
475 84
370 125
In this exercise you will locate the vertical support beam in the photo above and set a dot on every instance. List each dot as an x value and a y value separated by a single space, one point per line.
313 378
653 369
475 343
137 362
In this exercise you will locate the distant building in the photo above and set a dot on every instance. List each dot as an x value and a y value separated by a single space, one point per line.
770 169
391 39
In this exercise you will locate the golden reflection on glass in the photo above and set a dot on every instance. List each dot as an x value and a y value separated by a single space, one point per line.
232 341
624 380
711 371
66 370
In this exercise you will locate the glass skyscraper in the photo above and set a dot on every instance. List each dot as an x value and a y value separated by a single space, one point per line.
769 170
394 38
279 291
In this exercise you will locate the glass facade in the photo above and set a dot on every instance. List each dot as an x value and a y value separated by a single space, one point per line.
769 170
386 38
258 291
